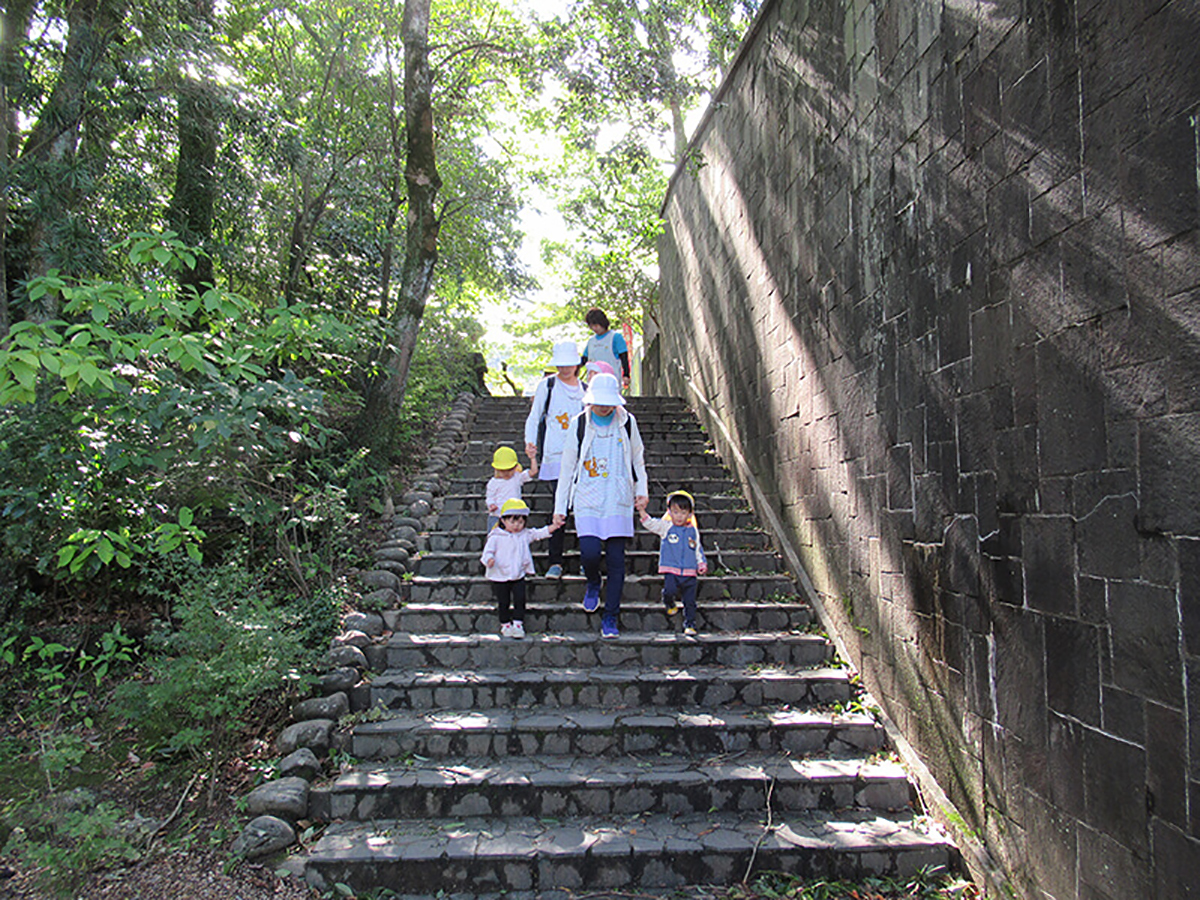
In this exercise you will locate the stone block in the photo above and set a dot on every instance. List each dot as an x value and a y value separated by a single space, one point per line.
1145 641
263 836
1048 550
286 798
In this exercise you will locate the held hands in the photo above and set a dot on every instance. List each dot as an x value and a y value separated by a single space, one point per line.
559 521
491 562
492 507
639 503
531 453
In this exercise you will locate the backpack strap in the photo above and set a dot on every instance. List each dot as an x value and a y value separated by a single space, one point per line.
541 433
628 432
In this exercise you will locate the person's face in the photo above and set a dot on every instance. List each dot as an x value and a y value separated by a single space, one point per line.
513 523
679 515
567 372
603 411
598 328
505 473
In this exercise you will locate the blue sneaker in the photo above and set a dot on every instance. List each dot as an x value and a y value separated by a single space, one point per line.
609 629
555 571
591 598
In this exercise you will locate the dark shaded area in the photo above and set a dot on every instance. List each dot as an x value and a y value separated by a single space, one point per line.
939 274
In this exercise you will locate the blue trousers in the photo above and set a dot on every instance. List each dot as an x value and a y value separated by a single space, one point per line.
682 586
591 550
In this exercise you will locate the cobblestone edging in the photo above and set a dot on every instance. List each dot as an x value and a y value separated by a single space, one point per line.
279 804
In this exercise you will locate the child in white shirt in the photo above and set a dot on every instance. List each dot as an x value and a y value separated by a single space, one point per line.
507 479
507 558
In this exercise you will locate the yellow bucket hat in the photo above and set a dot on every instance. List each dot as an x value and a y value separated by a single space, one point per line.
514 507
504 458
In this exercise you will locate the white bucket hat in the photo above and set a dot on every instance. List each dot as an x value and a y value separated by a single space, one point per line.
604 390
566 353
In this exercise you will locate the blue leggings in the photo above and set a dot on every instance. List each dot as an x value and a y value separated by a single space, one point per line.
591 549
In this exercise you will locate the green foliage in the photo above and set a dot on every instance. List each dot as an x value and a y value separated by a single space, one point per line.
67 846
930 883
222 647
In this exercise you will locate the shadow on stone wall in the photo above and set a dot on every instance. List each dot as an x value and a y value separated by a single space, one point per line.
940 277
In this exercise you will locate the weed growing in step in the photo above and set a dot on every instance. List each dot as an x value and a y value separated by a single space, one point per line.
931 883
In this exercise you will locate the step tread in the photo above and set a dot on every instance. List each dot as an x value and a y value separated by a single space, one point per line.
525 837
405 639
619 674
590 719
568 771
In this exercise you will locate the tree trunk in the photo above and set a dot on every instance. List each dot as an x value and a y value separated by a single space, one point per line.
91 26
386 394
14 29
191 211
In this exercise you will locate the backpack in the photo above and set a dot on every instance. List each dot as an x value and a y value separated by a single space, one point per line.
541 432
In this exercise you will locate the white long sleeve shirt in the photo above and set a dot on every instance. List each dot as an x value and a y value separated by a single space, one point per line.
510 550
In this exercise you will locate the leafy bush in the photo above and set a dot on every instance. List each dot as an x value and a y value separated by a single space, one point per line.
222 646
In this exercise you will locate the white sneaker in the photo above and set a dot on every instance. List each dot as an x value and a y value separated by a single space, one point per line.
506 629
518 630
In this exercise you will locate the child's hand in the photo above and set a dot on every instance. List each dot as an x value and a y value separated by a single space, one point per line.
702 568
531 453
559 520
639 503
492 507
555 525
491 562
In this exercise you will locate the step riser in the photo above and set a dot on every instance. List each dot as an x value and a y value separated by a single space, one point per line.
509 653
434 566
621 866
472 542
644 589
545 502
698 796
549 620
659 488
703 740
797 692
657 471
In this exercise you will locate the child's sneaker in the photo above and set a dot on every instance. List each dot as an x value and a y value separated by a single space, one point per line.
555 571
506 629
690 630
591 598
518 630
608 629
670 604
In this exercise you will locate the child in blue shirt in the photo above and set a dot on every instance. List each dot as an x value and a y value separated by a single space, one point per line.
606 346
680 556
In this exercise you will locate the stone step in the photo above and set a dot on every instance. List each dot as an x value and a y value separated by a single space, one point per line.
583 731
664 472
491 855
558 786
637 589
481 450
719 519
722 615
587 648
716 540
659 488
703 686
638 562
544 500
657 454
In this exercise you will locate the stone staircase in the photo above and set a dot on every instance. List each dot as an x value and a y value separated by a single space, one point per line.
566 762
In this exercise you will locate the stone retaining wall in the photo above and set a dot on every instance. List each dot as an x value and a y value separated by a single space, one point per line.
936 267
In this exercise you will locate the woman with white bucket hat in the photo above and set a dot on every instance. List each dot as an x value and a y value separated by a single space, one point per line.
557 399
603 481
